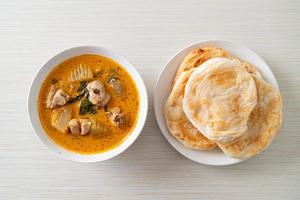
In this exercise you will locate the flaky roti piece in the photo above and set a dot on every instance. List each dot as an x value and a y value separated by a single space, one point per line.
178 125
263 124
198 56
248 66
218 99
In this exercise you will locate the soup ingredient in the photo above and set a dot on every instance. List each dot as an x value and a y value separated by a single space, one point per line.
60 119
97 73
86 107
98 129
112 73
97 94
82 86
59 99
116 85
80 127
85 126
54 81
116 116
81 73
83 92
56 98
76 98
50 95
74 126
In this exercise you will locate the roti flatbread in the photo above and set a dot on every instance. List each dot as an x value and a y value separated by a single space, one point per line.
263 124
198 56
219 97
178 125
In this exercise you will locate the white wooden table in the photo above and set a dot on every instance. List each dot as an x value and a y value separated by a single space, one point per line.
147 33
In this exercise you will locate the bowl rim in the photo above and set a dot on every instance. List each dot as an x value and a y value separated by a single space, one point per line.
42 73
162 125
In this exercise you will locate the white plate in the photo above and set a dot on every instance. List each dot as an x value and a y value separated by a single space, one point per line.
163 89
42 74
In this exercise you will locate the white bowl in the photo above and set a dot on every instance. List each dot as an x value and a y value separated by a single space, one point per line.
163 89
42 74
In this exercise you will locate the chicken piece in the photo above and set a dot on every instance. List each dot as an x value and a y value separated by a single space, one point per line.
74 126
80 126
116 116
105 100
116 85
60 98
97 94
50 95
60 119
85 126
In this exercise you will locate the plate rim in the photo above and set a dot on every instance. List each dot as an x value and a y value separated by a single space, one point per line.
162 125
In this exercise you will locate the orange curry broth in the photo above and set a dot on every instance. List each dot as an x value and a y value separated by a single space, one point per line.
128 102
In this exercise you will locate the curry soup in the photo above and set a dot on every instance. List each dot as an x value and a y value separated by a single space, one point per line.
111 114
